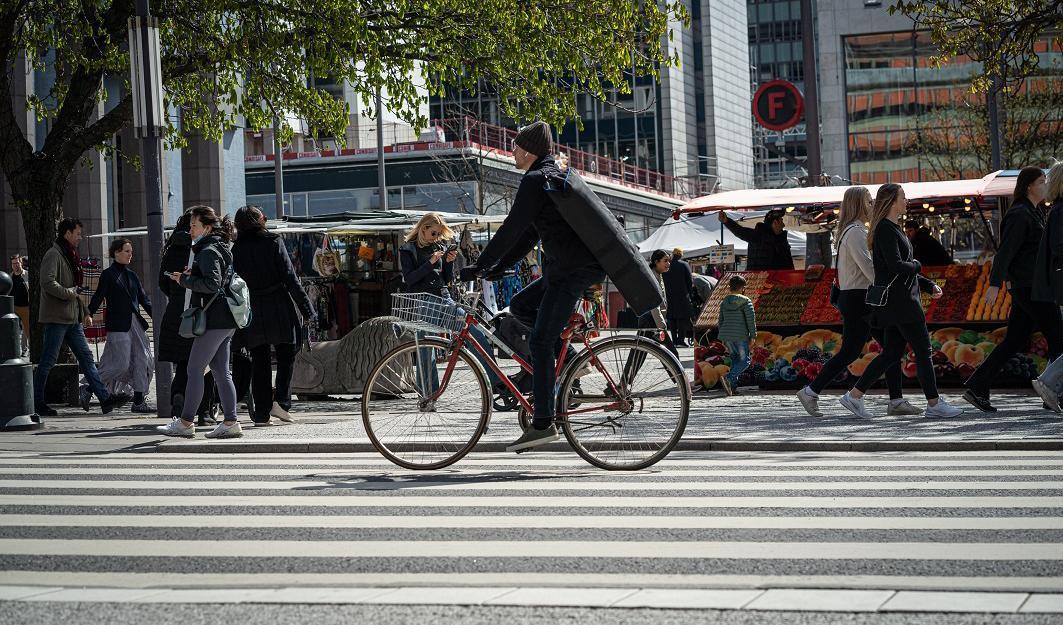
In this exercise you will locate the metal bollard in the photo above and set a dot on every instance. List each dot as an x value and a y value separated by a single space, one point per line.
16 372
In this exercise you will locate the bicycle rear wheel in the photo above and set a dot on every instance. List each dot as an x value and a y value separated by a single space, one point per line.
637 424
410 429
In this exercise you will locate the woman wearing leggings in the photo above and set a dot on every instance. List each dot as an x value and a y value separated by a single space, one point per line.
206 277
856 272
900 314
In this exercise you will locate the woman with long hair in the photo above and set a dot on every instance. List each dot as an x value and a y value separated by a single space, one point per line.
856 272
261 259
898 312
126 360
1048 280
1021 231
207 276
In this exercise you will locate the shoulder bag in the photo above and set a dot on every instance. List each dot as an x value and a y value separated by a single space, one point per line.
878 296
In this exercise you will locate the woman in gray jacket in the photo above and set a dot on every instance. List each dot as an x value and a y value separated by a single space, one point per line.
207 276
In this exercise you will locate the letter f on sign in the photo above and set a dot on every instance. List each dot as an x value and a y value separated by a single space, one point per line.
775 102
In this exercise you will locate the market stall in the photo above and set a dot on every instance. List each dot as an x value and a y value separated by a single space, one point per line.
798 329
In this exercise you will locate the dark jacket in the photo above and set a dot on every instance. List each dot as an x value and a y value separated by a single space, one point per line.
678 285
532 218
261 259
421 276
1020 236
121 287
20 290
175 257
928 250
209 272
767 250
895 265
1048 272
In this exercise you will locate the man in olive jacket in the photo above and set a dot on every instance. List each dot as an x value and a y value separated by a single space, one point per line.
61 314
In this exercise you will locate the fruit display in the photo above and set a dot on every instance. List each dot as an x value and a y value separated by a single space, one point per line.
783 305
819 310
957 283
756 281
978 309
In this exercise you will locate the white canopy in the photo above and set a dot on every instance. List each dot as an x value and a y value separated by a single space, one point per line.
696 234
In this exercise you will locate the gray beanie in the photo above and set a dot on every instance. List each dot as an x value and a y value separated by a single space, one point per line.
535 138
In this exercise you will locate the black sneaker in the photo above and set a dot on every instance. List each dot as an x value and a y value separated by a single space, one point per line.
980 402
84 397
45 410
533 438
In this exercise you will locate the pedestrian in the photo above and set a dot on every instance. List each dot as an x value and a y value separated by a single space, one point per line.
737 329
177 256
856 272
679 289
61 315
1048 280
1014 266
769 245
927 249
127 359
21 292
894 295
207 276
261 259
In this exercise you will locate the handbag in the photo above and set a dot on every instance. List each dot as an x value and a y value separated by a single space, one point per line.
878 296
194 320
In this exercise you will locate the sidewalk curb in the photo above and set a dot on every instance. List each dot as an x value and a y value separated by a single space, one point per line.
340 445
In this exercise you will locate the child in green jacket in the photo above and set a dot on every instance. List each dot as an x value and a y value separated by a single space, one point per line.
738 328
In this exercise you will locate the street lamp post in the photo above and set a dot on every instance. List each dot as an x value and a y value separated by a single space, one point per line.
149 122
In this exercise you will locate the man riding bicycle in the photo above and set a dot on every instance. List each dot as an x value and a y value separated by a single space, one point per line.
569 268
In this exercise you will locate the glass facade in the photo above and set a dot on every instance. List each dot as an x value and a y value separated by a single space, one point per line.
450 197
910 121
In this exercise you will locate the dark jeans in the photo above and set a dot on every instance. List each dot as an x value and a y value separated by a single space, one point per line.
680 328
74 336
1026 317
896 336
262 383
856 330
545 306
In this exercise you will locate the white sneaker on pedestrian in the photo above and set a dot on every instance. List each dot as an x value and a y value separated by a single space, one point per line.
942 409
855 406
280 413
224 430
1048 395
177 427
810 400
900 407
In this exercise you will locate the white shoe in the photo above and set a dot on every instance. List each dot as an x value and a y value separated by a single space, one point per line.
902 407
1048 395
942 409
280 413
225 430
855 406
177 428
810 401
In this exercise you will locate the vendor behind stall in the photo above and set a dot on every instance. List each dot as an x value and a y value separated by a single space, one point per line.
928 250
769 247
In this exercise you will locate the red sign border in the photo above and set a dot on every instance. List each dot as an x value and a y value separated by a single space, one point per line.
798 114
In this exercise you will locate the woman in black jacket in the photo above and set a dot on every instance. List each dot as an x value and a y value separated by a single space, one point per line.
261 259
127 356
1048 281
1021 231
208 275
901 316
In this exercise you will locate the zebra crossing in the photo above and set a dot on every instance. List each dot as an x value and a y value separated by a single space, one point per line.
895 531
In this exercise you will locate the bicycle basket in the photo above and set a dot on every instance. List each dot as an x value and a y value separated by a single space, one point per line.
427 312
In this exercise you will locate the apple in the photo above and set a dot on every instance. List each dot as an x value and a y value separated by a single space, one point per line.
909 368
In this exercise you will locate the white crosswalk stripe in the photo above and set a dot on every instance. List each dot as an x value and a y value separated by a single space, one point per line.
494 524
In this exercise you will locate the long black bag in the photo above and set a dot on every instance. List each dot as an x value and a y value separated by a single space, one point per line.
605 237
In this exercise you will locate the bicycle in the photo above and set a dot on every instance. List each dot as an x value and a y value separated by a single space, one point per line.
427 402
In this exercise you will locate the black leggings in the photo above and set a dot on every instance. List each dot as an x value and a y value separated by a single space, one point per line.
896 336
856 330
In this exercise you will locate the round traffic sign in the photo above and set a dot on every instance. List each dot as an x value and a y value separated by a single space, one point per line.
778 105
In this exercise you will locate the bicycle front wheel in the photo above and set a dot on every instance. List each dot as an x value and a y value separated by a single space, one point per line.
623 403
419 417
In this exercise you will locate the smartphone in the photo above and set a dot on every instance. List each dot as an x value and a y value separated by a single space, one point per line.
452 248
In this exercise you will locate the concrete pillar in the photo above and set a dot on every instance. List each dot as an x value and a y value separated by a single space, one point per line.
213 173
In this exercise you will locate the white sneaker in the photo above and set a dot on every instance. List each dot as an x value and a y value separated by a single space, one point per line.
225 430
177 427
1048 395
942 409
280 413
902 407
855 406
810 400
